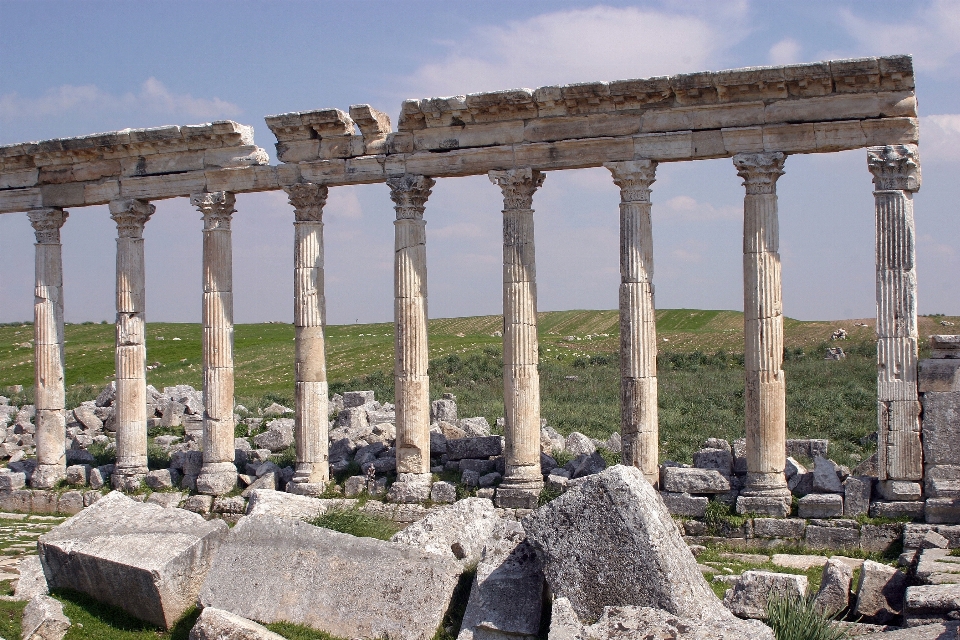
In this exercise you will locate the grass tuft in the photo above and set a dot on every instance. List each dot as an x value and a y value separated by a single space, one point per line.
798 619
357 523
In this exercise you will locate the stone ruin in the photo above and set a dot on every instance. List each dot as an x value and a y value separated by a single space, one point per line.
756 116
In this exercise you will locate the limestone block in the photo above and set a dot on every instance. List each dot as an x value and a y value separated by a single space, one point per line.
664 146
591 126
324 576
608 541
880 592
930 603
284 505
242 179
899 490
692 480
43 619
821 505
775 507
888 131
506 598
683 504
940 481
938 375
826 476
817 537
937 566
834 593
12 200
216 624
142 558
31 582
942 511
896 509
481 447
719 459
753 590
941 426
856 495
879 538
779 527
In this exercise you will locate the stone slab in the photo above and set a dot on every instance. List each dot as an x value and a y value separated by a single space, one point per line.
217 624
145 559
271 569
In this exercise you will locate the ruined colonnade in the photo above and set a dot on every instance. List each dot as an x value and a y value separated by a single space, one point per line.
756 117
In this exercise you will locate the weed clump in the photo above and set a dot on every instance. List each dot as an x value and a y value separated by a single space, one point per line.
798 619
357 523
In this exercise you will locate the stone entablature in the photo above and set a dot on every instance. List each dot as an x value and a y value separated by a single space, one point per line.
149 164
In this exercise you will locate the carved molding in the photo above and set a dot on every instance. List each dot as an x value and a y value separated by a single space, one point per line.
130 216
760 171
46 224
895 167
216 207
518 186
634 178
308 200
409 194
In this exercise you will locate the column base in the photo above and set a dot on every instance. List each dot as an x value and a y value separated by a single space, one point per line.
518 493
312 473
410 488
312 489
46 476
217 478
128 479
769 485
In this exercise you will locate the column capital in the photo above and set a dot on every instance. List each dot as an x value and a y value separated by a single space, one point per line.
895 167
518 186
46 224
760 171
409 192
307 200
634 178
130 216
216 207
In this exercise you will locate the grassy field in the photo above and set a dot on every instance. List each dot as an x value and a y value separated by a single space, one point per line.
700 370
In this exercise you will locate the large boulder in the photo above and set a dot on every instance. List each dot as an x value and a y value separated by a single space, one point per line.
273 569
216 624
632 623
145 559
460 530
611 542
506 598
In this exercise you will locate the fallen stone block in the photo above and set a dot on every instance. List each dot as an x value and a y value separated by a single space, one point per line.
166 499
754 589
31 582
820 505
610 541
43 619
939 631
942 511
272 569
827 476
856 496
683 504
482 447
834 593
880 538
506 598
459 530
937 566
284 505
930 603
145 559
626 623
880 593
693 480
217 624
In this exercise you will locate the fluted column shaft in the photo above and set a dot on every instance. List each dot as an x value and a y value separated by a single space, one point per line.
217 475
409 194
521 381
49 387
131 351
309 319
765 389
638 329
896 177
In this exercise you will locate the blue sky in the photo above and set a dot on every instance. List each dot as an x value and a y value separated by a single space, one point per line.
72 68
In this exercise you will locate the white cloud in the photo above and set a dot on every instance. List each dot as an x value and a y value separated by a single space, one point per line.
578 46
940 137
787 51
343 203
153 97
932 34
685 208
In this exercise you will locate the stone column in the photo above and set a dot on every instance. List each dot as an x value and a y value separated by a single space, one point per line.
521 381
309 320
49 387
409 194
131 354
896 177
218 475
638 329
765 391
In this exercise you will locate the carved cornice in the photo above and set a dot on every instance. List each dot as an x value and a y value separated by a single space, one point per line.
409 194
307 200
634 178
130 216
895 167
759 171
46 224
518 186
216 207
